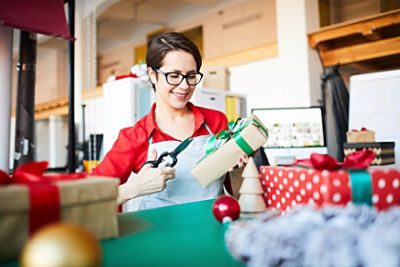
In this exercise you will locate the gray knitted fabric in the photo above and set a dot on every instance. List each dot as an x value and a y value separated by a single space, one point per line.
355 235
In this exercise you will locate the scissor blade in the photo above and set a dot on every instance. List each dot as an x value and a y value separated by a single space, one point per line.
182 146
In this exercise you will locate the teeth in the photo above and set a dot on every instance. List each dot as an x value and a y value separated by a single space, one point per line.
180 94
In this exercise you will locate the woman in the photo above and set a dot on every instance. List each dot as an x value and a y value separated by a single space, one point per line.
174 68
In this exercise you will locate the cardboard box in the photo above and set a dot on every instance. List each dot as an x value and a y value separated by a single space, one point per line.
286 187
363 136
384 151
89 202
218 162
216 77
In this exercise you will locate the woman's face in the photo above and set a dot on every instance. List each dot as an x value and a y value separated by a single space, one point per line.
175 97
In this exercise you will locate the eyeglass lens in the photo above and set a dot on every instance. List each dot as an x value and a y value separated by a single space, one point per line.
177 78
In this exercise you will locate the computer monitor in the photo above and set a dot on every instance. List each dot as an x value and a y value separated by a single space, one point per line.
293 127
294 133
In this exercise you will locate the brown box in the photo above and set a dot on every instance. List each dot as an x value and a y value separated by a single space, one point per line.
216 77
216 164
363 136
90 202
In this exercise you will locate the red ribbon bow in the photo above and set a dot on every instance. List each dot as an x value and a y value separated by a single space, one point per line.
363 129
356 160
44 196
130 75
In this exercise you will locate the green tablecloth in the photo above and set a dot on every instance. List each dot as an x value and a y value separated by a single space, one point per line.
180 235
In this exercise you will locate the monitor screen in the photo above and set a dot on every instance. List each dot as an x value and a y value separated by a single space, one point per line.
292 127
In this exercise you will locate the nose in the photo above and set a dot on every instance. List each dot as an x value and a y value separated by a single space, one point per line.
184 83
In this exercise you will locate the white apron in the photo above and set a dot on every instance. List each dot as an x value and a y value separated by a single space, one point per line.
184 187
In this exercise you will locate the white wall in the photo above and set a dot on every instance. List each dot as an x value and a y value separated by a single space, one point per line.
292 78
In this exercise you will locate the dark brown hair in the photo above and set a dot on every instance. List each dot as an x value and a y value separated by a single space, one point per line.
163 43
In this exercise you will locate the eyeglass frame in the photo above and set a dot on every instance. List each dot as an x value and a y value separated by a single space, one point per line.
184 76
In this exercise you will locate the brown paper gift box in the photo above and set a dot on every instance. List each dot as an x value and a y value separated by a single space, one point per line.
216 164
90 202
363 136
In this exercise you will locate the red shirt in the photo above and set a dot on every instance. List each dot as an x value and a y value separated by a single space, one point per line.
129 152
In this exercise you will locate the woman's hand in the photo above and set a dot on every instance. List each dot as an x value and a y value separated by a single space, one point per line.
235 177
149 180
241 162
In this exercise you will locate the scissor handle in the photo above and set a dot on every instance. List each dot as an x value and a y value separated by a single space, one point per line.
156 163
174 161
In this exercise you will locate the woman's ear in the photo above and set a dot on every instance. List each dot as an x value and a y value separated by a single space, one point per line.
152 75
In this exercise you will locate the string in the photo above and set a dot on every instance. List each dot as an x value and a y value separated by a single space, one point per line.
94 79
91 81
88 55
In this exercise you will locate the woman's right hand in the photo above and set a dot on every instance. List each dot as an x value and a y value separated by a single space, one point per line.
149 180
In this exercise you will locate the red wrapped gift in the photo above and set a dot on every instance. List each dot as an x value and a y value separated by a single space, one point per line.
30 200
329 182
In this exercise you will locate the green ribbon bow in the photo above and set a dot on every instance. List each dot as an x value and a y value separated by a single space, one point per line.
217 140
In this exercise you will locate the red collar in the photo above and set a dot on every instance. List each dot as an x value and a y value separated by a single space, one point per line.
151 124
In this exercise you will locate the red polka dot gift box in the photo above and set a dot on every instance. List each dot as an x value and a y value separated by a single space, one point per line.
330 182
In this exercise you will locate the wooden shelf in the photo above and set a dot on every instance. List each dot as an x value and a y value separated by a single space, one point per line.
59 107
370 38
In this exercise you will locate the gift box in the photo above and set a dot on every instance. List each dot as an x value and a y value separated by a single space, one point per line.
384 151
216 77
363 136
224 149
24 208
286 187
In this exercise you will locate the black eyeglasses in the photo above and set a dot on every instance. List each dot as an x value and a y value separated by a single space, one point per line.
176 78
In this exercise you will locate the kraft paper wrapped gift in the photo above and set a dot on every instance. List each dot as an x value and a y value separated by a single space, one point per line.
250 135
363 136
89 202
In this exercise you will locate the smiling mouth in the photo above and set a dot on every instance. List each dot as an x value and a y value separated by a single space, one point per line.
180 95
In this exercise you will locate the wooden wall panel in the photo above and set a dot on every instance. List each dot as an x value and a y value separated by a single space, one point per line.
212 32
51 74
243 26
345 10
116 62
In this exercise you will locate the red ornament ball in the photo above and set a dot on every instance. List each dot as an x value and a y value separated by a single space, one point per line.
226 208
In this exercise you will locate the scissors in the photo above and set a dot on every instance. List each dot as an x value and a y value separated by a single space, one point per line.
173 155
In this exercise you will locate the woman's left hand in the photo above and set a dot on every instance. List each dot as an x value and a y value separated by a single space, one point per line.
235 177
241 162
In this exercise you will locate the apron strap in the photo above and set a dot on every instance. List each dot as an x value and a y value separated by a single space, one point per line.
205 126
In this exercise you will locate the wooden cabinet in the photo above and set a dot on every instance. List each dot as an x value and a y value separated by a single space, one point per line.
243 26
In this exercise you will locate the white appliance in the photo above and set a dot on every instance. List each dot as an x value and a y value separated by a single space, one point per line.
375 104
125 102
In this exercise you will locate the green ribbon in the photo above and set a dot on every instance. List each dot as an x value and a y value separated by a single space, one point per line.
213 144
361 186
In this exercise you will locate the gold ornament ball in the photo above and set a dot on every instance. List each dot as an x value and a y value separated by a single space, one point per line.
61 244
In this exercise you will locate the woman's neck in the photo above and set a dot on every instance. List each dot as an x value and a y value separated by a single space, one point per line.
167 113
176 123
